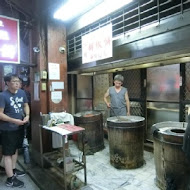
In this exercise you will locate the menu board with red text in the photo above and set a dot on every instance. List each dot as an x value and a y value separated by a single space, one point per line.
9 40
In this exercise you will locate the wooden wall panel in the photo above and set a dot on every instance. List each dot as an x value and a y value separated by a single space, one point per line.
56 39
39 39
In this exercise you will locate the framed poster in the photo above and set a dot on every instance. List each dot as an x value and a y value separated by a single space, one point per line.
9 40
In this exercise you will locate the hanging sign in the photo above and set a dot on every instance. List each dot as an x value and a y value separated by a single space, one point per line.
9 40
97 45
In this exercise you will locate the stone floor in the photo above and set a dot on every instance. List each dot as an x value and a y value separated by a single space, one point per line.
101 175
28 182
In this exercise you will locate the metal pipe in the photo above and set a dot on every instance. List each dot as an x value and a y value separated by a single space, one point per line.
118 118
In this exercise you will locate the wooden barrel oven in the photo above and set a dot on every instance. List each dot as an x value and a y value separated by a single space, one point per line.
92 121
172 167
126 141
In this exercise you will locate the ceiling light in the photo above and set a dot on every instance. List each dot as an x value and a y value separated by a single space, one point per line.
74 8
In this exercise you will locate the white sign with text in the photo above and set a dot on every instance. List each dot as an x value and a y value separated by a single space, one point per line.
97 45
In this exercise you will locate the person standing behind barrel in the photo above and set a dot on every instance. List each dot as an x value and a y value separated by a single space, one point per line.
119 99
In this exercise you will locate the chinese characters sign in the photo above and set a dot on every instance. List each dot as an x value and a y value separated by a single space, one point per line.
9 40
97 45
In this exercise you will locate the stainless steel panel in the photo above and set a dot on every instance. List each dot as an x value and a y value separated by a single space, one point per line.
84 86
163 83
167 48
84 105
160 112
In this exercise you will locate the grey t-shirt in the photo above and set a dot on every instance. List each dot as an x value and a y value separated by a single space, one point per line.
118 103
13 105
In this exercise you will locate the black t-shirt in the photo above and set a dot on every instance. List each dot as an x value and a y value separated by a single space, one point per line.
13 105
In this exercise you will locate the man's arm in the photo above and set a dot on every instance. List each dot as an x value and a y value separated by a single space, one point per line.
27 112
105 98
5 117
127 103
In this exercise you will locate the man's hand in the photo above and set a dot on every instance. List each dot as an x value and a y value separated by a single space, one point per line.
26 119
108 105
19 122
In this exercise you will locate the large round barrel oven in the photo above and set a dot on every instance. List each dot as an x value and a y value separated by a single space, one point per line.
126 141
172 167
93 138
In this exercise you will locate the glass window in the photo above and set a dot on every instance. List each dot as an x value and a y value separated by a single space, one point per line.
163 83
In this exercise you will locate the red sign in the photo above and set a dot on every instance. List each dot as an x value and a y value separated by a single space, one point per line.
9 40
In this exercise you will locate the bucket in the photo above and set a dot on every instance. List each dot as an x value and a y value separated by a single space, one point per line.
172 168
92 121
126 141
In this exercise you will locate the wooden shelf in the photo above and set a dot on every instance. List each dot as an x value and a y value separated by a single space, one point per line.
51 158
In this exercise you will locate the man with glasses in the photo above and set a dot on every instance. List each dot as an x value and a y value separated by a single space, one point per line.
119 99
14 113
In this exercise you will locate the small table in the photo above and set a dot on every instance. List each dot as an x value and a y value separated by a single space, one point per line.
64 130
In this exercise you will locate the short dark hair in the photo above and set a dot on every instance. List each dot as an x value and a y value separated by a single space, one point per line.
9 76
119 78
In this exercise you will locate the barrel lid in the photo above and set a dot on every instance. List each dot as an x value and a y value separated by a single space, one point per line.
87 114
170 131
125 119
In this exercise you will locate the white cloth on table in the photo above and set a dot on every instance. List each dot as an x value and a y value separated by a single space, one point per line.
66 118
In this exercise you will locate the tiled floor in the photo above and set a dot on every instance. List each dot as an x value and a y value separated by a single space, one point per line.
28 183
101 175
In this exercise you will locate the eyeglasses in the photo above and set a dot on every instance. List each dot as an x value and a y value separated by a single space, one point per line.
15 81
